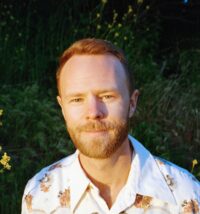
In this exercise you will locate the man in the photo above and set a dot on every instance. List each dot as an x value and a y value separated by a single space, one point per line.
111 172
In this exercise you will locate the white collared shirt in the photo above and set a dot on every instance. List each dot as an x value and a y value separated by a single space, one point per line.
154 186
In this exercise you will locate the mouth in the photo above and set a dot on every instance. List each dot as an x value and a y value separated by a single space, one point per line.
96 131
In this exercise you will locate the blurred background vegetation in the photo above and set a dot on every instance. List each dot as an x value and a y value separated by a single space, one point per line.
162 42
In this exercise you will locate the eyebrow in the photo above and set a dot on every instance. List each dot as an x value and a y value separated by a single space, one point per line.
98 91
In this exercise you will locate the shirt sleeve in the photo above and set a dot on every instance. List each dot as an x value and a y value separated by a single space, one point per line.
24 209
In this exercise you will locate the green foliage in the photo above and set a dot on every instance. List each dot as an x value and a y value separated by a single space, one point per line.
33 35
31 43
32 119
33 133
167 119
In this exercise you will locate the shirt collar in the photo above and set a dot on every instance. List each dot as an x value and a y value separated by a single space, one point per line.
78 182
144 178
149 180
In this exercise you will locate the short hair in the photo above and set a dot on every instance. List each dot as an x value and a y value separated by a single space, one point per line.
92 46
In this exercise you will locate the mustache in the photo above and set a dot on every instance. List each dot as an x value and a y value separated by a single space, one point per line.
96 126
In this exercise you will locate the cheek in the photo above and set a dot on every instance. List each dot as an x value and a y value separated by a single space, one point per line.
72 115
120 111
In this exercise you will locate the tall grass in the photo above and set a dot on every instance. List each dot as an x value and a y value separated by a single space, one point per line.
33 35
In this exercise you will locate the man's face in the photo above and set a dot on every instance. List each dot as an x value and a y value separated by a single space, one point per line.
95 103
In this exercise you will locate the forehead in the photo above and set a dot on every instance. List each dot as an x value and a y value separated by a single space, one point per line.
92 71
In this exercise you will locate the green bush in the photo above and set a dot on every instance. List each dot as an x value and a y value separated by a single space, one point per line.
34 135
167 118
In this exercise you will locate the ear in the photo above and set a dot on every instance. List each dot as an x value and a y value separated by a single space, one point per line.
59 100
60 103
133 102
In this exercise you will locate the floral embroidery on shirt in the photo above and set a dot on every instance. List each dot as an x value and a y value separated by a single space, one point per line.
45 183
49 191
170 181
54 166
64 198
190 207
142 201
28 199
160 162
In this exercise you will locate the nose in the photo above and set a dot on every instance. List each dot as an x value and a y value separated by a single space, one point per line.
95 109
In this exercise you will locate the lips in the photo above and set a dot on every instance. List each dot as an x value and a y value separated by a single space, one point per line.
95 133
94 130
96 127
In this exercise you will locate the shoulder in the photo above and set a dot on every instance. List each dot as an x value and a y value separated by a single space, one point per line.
49 187
183 184
47 176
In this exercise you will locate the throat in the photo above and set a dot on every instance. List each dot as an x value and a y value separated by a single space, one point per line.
110 182
109 175
109 194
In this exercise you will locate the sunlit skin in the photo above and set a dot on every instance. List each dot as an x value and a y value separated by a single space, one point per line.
96 106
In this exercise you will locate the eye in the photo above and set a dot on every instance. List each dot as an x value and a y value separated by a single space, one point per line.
107 97
76 100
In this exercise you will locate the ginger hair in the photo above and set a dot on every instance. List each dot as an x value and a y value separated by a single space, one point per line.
92 46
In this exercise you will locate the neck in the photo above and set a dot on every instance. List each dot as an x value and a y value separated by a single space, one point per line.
104 173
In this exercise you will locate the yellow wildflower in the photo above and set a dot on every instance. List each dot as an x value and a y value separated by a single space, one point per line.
139 1
98 15
147 7
7 166
119 25
4 161
115 15
0 148
1 112
5 158
130 9
116 34
104 1
194 163
125 38
98 27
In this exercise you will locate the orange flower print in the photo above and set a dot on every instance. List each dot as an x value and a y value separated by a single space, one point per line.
54 166
45 183
190 207
142 201
64 198
159 162
28 199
